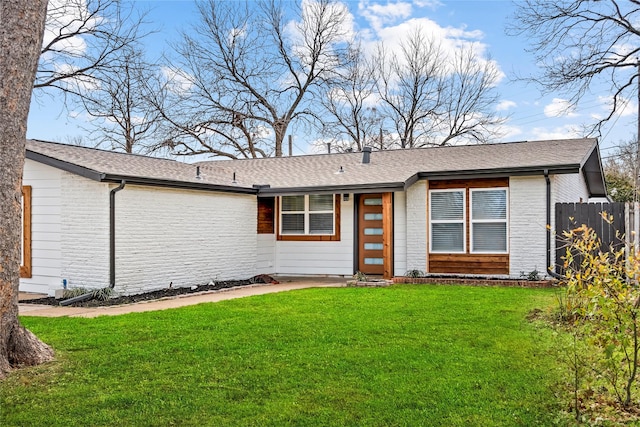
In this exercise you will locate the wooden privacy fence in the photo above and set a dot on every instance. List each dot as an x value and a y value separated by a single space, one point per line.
632 224
624 217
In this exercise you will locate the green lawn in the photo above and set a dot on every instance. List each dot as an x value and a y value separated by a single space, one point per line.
406 355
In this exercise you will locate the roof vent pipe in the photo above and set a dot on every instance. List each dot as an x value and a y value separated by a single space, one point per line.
366 155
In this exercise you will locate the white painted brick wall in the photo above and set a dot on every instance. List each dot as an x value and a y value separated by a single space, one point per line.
568 188
417 226
322 257
399 233
266 253
85 231
182 237
46 227
528 220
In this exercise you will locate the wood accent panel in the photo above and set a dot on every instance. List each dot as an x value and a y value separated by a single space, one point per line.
468 183
469 263
266 215
25 268
387 234
312 238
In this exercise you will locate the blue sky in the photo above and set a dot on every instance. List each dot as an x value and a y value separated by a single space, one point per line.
531 115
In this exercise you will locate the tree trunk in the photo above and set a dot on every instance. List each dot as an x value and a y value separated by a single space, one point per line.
21 30
280 129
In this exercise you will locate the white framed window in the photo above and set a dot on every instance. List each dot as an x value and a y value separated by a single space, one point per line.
307 215
447 218
489 219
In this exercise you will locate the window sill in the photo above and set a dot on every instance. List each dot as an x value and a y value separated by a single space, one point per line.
308 238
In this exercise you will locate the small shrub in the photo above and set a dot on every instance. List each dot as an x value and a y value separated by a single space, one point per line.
600 308
532 276
360 277
73 292
414 274
102 294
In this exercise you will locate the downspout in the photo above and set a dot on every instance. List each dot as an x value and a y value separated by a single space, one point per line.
551 271
112 248
112 233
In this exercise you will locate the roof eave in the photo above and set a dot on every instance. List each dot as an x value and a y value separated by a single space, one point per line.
402 186
333 189
593 173
65 166
500 172
153 182
103 177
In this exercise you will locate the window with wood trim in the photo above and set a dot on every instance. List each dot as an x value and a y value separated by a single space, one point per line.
484 232
309 217
25 263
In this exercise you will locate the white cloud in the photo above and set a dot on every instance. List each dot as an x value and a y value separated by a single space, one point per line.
65 18
509 132
625 107
379 15
383 29
505 105
432 4
561 132
560 108
309 10
178 80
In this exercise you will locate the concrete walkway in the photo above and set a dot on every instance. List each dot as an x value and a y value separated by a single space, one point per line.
286 284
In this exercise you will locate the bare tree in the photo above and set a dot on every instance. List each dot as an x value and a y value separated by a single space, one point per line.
20 38
351 119
581 43
410 85
118 101
251 74
82 37
468 101
433 97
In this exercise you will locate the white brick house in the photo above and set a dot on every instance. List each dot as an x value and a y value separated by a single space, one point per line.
95 218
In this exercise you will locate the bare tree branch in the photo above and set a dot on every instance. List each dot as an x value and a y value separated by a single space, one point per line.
83 37
432 98
581 43
250 75
351 116
119 102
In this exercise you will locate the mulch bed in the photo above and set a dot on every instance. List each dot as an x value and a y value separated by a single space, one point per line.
477 281
158 294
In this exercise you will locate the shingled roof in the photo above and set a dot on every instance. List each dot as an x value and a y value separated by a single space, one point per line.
390 170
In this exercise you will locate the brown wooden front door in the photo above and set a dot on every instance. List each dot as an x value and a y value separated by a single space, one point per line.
375 222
